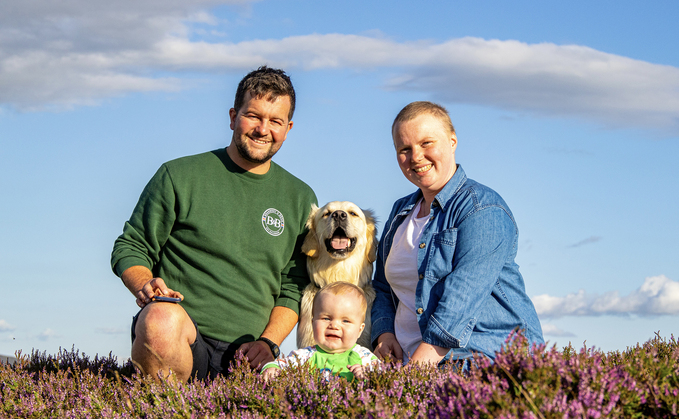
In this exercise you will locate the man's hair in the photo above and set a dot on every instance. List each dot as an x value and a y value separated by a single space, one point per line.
415 109
266 82
342 288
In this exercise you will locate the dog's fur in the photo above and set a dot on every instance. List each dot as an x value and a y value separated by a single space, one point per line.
341 246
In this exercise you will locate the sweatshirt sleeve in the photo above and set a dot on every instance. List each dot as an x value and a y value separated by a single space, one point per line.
294 278
147 230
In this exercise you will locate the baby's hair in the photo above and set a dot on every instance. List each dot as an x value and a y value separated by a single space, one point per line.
342 288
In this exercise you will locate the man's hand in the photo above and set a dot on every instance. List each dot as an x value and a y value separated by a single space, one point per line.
388 346
141 283
258 353
153 288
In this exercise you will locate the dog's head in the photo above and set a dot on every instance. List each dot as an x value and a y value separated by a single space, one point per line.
341 230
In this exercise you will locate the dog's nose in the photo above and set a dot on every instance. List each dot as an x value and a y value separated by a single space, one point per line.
339 215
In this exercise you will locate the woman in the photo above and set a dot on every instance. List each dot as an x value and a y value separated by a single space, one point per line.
446 281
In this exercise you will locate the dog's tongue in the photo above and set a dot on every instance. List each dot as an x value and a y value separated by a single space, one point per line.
339 243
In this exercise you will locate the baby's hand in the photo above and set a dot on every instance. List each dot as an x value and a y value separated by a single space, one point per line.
357 370
270 373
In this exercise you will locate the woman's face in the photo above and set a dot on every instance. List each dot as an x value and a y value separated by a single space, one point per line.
425 150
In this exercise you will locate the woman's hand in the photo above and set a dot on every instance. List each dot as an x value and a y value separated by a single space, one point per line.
388 347
429 354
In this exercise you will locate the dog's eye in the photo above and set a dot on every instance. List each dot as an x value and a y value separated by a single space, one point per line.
327 214
353 213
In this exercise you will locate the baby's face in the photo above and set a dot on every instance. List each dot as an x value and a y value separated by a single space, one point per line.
337 322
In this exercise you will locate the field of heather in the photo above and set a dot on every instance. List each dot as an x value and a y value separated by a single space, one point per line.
642 381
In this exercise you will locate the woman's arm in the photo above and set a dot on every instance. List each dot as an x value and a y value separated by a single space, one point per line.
484 242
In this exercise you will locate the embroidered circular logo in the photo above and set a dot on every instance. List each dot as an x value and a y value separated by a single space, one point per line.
273 222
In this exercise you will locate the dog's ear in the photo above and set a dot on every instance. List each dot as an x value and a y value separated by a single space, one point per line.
370 235
310 245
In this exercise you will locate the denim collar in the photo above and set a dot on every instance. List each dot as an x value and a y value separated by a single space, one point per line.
443 198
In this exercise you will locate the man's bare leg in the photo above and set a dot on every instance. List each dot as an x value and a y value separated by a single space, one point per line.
164 333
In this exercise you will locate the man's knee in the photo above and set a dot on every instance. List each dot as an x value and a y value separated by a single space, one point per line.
161 322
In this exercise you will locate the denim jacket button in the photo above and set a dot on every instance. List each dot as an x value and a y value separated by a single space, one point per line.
421 276
420 310
422 245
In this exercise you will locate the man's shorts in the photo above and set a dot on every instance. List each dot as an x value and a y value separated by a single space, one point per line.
211 357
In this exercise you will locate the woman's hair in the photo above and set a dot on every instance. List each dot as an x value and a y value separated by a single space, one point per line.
415 109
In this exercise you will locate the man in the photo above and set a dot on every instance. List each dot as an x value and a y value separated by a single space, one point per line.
446 282
222 231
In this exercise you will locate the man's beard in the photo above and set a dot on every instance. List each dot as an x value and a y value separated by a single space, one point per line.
245 153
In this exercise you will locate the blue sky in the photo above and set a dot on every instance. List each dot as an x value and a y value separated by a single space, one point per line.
570 111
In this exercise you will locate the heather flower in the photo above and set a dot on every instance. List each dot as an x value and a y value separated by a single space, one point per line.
522 382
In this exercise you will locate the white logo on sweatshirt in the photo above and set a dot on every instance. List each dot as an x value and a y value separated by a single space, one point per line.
273 222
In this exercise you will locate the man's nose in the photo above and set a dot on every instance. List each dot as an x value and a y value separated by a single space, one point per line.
262 128
339 215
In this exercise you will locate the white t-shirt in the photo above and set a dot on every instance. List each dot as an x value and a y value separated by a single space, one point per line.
401 272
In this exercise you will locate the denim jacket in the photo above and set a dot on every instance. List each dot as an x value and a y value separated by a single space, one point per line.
470 295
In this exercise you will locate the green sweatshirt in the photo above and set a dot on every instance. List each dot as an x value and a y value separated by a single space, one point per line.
228 240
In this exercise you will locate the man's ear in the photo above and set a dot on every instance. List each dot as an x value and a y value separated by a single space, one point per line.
232 118
310 247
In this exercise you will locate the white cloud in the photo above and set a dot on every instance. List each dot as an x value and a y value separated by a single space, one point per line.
47 334
552 330
5 327
588 240
658 295
112 330
72 52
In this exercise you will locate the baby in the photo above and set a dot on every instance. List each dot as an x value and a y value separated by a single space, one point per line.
338 315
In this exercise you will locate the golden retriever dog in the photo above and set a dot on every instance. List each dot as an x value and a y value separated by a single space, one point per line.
341 246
